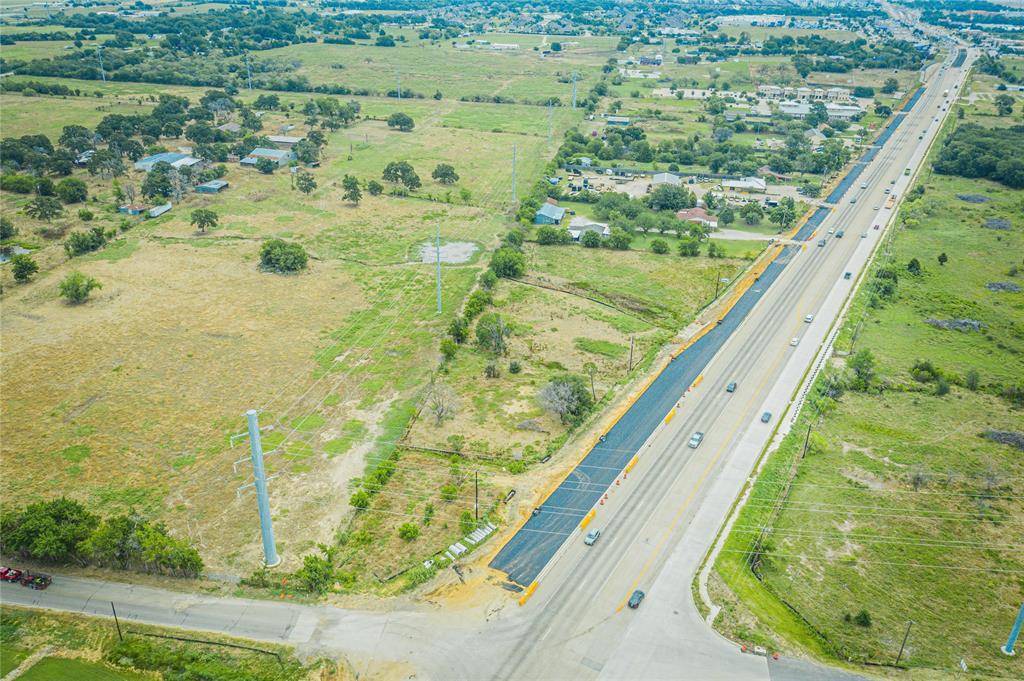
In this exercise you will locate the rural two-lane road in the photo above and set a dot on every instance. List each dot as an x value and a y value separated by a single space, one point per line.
658 524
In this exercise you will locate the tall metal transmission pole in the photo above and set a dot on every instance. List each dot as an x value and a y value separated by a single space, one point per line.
103 73
248 71
270 557
437 252
550 109
575 75
399 77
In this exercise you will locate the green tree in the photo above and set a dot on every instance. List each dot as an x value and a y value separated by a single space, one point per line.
508 262
459 330
50 531
1004 104
783 216
891 85
7 228
715 250
567 397
44 208
863 366
23 267
914 266
752 213
445 174
726 216
72 190
374 187
590 369
492 333
590 239
76 287
265 165
448 349
943 258
360 500
305 182
203 219
659 246
466 522
619 239
551 235
317 572
401 121
689 247
670 197
277 255
350 189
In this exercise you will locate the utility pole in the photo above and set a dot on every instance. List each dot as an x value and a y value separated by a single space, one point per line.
631 339
270 557
718 282
437 251
807 440
1014 633
103 73
574 76
117 623
904 644
513 177
399 77
550 109
476 495
248 71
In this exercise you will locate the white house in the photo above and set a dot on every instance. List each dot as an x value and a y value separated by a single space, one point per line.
578 225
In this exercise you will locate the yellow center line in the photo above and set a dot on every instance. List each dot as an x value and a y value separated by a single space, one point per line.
700 481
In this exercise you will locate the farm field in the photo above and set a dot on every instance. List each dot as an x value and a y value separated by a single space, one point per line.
902 507
424 68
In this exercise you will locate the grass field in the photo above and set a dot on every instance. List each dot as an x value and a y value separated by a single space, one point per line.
902 508
762 33
87 649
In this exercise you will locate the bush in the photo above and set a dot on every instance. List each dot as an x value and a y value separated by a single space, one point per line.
514 367
590 240
408 531
19 184
79 243
265 166
862 619
659 246
492 371
476 303
76 288
281 256
548 235
459 330
72 190
316 574
568 397
488 280
85 215
449 492
7 228
374 187
360 500
466 522
508 262
23 267
448 349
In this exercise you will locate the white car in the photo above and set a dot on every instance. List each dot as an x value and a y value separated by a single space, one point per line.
808 318
695 440
795 342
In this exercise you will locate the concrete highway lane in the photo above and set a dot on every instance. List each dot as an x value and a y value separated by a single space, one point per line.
660 522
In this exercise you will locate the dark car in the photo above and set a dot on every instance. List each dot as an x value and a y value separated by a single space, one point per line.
731 388
766 417
536 511
636 599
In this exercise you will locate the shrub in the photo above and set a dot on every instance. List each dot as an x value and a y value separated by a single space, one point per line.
19 184
85 215
517 466
659 246
590 240
514 367
862 619
79 243
475 304
72 190
568 397
459 330
488 280
316 573
508 262
448 349
360 500
549 235
76 288
492 371
23 267
7 228
408 531
466 522
281 256
449 492
265 166
374 187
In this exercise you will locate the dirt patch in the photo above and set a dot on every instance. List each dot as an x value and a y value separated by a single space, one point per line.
864 478
1003 287
956 324
973 198
453 252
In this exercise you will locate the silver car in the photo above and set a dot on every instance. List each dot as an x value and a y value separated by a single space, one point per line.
592 537
695 440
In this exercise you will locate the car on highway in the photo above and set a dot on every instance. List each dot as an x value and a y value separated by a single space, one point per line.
766 417
731 388
839 234
821 243
808 318
695 440
847 275
853 200
592 537
636 599
863 185
888 191
795 341
878 207
863 235
831 231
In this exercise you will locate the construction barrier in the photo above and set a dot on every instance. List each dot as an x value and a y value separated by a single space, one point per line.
670 415
587 518
632 462
526 594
